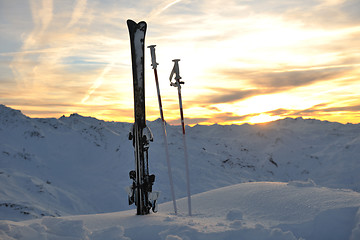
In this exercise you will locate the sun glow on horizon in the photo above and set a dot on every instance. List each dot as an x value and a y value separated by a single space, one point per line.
262 118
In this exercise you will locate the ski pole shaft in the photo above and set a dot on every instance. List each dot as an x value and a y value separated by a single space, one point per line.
181 111
187 174
159 96
185 151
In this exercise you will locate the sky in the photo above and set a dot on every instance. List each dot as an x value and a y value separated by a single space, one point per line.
242 61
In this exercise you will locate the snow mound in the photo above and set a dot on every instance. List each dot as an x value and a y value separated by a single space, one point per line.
258 211
270 203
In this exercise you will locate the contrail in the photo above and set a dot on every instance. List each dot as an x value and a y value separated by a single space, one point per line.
78 11
160 9
169 5
98 82
42 15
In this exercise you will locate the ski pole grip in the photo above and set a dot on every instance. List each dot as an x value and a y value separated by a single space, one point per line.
176 69
153 56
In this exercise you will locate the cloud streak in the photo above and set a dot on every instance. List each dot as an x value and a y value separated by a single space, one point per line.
270 82
42 14
297 78
77 13
322 111
161 8
223 95
98 82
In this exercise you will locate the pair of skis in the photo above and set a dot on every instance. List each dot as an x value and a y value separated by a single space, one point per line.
141 192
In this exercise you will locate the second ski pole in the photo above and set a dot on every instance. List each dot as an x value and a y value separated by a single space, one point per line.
177 84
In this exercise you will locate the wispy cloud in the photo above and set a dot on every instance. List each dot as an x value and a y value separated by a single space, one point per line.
223 95
225 118
258 83
288 79
322 111
42 14
318 109
78 12
99 80
161 8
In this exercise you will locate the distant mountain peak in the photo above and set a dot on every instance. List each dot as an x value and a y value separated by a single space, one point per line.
10 115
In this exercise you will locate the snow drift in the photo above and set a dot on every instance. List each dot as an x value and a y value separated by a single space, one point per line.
258 211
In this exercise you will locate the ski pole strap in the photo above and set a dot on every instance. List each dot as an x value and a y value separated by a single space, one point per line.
153 56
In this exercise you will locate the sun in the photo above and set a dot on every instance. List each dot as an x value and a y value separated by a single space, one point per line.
262 118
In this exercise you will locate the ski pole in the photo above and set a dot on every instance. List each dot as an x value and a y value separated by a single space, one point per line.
154 66
177 84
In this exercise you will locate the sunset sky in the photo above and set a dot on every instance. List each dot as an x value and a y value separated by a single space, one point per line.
241 60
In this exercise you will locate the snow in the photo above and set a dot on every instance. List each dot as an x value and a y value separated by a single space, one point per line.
289 179
261 210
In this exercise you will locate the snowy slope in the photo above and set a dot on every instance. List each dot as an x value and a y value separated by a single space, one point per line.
79 165
76 164
263 210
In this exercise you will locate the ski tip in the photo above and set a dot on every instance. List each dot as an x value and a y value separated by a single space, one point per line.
132 23
133 27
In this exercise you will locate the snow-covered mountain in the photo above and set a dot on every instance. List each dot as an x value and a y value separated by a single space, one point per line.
79 165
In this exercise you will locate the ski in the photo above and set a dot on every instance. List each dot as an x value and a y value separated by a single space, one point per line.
140 192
